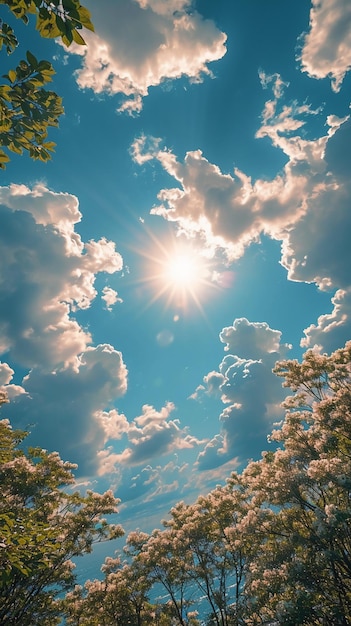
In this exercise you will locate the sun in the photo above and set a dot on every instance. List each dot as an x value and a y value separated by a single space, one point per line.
178 273
183 277
185 270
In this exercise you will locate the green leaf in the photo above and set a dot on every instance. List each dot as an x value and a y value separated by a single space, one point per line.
32 60
12 76
84 16
4 158
78 38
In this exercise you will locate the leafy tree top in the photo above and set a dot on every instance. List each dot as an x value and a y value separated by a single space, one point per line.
27 108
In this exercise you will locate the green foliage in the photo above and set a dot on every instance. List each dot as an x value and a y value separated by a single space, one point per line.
55 18
42 526
27 108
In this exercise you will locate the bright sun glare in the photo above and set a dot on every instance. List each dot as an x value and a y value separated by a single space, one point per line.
183 270
178 273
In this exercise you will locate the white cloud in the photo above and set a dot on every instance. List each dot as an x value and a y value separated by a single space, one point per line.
47 273
227 212
140 43
150 435
250 341
283 123
326 50
110 296
165 7
64 409
305 206
114 424
250 390
332 328
318 248
6 375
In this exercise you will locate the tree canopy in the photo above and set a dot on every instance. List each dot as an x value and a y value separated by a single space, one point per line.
27 108
43 525
270 547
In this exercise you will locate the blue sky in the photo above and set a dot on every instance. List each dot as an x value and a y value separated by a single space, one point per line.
191 229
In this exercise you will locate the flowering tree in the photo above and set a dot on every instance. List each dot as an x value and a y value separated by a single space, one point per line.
42 527
273 545
302 572
163 558
119 599
217 550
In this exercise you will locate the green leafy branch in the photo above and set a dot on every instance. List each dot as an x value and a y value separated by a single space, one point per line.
56 18
27 109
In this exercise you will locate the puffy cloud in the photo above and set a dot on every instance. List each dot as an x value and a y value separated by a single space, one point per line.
46 274
115 424
216 206
150 435
305 206
213 381
332 328
110 296
250 340
6 375
63 408
165 7
326 50
249 388
318 248
140 43
228 212
46 206
214 454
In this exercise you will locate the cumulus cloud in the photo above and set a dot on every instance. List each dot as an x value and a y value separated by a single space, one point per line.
332 328
115 424
305 206
47 273
150 435
62 409
326 48
227 212
318 248
250 340
110 297
213 382
250 390
6 375
140 43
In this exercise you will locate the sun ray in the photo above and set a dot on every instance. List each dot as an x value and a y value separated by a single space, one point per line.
177 272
